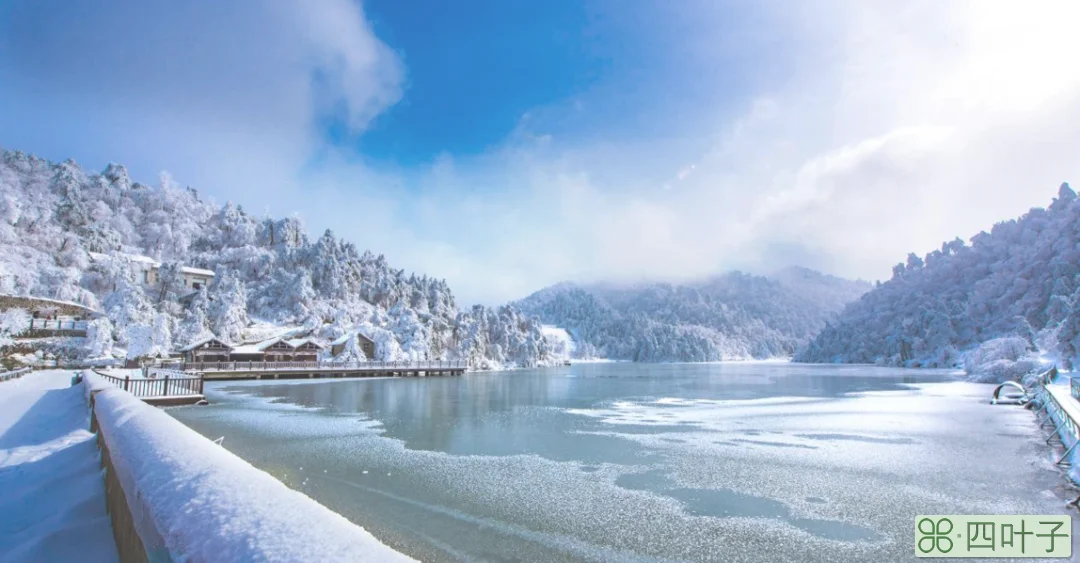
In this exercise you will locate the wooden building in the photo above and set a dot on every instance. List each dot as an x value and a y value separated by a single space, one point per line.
276 350
207 350
148 270
273 350
305 350
365 344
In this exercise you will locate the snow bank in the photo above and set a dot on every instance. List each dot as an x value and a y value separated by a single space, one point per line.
559 340
52 497
199 502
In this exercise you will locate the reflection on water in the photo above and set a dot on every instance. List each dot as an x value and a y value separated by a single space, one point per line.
630 462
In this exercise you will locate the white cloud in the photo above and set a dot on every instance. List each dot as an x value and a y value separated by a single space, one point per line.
226 95
898 126
919 122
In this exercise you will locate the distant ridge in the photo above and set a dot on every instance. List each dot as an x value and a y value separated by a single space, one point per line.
731 316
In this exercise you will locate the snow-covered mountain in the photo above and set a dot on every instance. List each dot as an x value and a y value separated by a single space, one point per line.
732 316
1019 281
268 272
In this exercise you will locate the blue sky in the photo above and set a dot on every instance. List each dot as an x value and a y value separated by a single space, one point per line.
588 70
506 146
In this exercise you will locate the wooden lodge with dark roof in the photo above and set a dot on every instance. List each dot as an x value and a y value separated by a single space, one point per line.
273 350
305 350
207 350
299 358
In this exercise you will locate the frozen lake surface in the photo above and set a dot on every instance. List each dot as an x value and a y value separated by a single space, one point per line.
762 462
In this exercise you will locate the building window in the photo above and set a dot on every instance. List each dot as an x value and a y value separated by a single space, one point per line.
146 277
196 285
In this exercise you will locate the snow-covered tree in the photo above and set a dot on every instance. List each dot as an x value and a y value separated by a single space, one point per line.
195 324
99 338
1016 283
13 322
128 306
730 316
228 311
52 216
149 340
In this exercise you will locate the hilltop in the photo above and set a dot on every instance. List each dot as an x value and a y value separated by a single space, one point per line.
71 234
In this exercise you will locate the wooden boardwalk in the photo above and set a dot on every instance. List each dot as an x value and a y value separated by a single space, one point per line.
166 389
312 370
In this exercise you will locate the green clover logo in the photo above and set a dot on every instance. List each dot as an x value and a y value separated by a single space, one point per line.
935 535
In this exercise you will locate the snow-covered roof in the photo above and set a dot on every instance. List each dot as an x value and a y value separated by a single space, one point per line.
197 271
247 349
202 341
298 342
345 338
268 343
141 258
265 344
133 257
97 256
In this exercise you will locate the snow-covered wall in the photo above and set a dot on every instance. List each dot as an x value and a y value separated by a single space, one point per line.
198 502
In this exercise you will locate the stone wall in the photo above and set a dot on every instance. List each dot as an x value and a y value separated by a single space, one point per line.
47 307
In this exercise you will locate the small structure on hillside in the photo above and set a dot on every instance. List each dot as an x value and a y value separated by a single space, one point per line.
149 270
365 344
44 308
207 350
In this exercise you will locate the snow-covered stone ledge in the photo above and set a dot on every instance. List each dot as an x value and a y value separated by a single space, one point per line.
176 496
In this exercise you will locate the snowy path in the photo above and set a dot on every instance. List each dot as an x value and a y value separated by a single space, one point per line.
52 496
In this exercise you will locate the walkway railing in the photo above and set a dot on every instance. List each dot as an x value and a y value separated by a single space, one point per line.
325 366
1062 413
154 372
58 325
167 386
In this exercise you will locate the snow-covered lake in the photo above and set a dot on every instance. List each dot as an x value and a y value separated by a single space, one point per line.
630 462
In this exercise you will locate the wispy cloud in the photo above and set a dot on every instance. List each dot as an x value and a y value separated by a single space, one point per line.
871 129
919 122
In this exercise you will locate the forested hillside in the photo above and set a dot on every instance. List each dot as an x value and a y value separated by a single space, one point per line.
52 216
1019 281
732 316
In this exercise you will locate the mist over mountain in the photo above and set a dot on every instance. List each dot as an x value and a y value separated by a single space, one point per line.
53 216
1019 283
730 316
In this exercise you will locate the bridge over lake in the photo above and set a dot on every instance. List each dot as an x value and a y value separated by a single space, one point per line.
306 370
